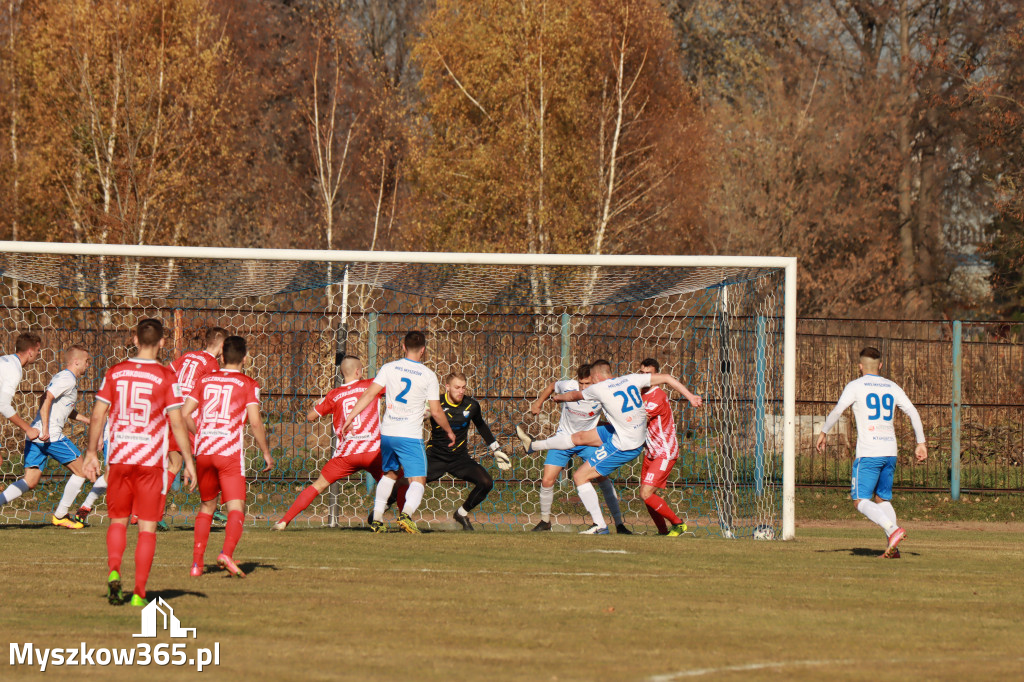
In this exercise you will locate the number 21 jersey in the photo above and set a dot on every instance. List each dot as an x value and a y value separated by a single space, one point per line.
224 397
140 393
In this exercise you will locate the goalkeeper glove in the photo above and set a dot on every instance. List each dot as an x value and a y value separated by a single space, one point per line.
503 461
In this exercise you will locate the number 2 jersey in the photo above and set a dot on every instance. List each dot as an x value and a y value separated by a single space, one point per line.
363 438
874 400
223 399
624 407
408 387
140 394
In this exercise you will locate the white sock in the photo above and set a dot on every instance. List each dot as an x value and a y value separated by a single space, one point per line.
461 511
380 499
71 490
547 496
14 491
876 514
588 496
890 513
559 441
611 500
413 498
98 489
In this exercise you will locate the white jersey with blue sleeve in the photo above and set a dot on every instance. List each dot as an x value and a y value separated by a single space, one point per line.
64 388
577 416
624 407
874 400
408 386
10 377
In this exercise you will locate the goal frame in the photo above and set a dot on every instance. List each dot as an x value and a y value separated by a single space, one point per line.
787 264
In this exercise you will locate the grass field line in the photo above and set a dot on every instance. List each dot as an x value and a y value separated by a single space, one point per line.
775 665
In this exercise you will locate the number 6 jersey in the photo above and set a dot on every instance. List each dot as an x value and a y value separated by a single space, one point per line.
224 397
140 393
874 401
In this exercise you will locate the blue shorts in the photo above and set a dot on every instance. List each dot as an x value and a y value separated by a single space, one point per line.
63 450
872 476
408 454
608 458
560 458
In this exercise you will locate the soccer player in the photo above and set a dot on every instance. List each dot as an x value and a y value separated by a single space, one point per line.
443 458
190 368
143 398
26 351
225 398
358 450
410 387
576 416
874 400
57 406
662 452
615 445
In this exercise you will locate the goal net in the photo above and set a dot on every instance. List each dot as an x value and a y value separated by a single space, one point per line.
511 323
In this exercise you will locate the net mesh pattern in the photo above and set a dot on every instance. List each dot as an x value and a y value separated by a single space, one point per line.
511 329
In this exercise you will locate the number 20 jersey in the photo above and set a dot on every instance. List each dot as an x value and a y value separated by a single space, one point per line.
364 435
874 400
624 407
140 393
224 397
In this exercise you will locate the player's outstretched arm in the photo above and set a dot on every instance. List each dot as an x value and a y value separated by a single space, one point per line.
569 397
544 395
96 421
187 410
368 396
678 387
259 434
440 417
180 432
903 402
503 461
312 415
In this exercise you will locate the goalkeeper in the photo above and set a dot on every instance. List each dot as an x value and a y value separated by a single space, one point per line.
443 458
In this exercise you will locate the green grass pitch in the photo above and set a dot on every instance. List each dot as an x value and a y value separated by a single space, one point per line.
346 604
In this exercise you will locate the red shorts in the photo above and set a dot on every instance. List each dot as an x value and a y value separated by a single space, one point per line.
220 475
656 471
134 489
172 443
340 467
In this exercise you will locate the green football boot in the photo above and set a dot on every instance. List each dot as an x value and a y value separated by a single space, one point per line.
677 530
114 595
139 601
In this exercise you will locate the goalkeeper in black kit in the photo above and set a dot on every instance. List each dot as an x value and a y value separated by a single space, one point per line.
442 459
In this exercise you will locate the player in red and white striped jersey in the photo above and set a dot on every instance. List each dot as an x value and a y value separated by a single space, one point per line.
357 450
225 400
662 452
144 399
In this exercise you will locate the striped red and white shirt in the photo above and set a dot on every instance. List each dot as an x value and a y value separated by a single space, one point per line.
661 427
193 366
364 435
140 393
224 397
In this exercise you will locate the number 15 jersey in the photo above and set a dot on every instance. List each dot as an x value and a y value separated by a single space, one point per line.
874 400
140 393
624 407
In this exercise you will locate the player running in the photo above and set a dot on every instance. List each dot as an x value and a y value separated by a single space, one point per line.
576 416
143 398
616 445
190 368
443 458
225 399
662 452
26 351
358 450
874 400
58 405
410 387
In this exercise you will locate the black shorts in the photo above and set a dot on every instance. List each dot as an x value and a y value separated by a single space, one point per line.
461 467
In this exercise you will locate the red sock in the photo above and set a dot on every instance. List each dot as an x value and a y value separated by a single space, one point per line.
144 560
233 532
658 519
116 540
304 499
657 504
202 535
400 496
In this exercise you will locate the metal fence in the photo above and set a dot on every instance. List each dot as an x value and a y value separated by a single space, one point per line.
966 379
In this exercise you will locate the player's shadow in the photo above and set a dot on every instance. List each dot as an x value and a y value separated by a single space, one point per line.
250 566
168 595
23 526
860 551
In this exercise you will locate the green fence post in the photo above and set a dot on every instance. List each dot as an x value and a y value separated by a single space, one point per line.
566 359
954 455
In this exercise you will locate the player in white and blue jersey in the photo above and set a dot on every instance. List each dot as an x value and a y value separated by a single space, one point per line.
410 388
616 444
874 400
581 415
26 351
58 405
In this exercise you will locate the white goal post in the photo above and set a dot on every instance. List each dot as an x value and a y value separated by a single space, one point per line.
517 320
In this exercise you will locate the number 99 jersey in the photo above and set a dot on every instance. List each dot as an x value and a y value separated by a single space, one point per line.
874 400
624 407
139 392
